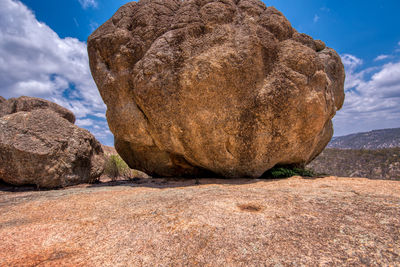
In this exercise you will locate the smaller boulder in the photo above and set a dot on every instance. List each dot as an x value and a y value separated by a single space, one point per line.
40 146
320 45
26 103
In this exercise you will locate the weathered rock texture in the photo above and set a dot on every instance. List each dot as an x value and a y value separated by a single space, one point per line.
222 86
290 222
26 103
39 145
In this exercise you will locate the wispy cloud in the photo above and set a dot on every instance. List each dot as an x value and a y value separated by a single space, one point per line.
88 3
35 61
93 26
381 57
84 122
316 18
351 62
76 22
325 9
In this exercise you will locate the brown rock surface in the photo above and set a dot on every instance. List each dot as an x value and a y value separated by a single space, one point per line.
27 103
109 150
227 87
293 222
44 149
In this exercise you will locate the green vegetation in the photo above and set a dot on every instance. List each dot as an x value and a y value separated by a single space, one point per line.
285 172
116 167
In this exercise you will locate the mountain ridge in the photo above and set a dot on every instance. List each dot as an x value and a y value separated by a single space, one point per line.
376 139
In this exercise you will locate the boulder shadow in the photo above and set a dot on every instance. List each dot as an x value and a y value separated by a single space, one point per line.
152 182
162 182
5 187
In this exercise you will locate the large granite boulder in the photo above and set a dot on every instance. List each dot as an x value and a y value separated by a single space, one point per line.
226 87
40 146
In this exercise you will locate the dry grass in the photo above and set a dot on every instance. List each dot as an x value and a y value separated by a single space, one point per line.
115 167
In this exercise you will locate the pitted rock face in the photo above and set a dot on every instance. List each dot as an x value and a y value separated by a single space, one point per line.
40 145
27 104
42 148
226 87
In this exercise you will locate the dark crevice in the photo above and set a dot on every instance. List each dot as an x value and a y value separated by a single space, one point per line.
180 164
144 114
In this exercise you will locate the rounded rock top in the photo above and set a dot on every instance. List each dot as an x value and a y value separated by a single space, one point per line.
203 87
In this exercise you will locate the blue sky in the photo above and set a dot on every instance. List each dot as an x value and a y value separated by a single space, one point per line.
43 53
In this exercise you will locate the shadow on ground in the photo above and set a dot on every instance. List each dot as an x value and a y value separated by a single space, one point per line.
138 182
150 183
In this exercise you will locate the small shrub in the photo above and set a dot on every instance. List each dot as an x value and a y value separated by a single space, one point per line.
116 167
281 173
285 172
304 172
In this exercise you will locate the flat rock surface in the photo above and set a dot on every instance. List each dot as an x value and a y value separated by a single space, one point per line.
155 222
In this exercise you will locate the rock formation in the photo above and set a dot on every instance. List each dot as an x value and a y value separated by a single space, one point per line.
40 145
226 87
26 103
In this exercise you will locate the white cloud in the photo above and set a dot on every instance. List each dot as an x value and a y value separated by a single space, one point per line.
100 115
316 18
35 61
351 62
84 122
372 97
88 3
353 78
381 57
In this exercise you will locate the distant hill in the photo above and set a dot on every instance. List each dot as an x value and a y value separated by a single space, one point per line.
377 139
374 154
375 164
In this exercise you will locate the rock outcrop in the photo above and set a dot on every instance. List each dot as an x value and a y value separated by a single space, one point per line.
227 87
26 103
108 150
289 222
40 145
